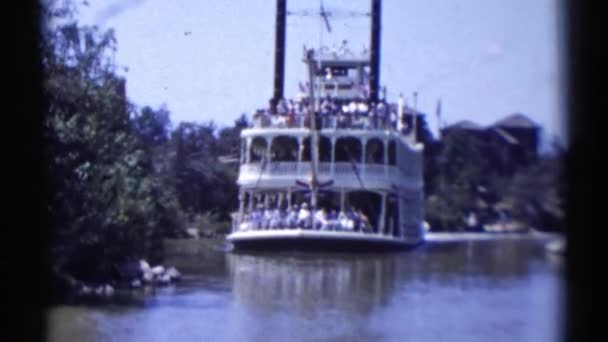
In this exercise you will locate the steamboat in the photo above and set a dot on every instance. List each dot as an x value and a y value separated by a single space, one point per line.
338 168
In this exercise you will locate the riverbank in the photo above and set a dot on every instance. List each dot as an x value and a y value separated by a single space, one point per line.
474 236
205 254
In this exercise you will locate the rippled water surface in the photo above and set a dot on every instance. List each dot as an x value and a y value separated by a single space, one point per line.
497 290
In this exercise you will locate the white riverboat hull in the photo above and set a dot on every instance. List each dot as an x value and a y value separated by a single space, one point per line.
308 239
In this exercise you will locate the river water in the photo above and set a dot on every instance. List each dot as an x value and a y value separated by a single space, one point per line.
486 290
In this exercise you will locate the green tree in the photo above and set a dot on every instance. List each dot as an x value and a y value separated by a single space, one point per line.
535 194
194 165
153 125
104 204
229 144
462 169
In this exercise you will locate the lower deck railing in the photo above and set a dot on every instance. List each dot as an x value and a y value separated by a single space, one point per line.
343 225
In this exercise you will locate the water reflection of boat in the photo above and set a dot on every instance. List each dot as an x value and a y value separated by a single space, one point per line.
310 284
336 169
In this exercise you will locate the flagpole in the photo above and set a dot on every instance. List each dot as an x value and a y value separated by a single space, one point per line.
414 115
313 128
439 119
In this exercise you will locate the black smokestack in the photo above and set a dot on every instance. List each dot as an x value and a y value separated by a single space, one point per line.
375 51
279 51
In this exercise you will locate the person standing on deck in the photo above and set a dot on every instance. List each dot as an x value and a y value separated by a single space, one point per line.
256 217
344 117
381 115
282 107
393 118
267 216
292 216
345 222
275 219
321 219
354 217
304 218
400 116
373 117
291 117
326 111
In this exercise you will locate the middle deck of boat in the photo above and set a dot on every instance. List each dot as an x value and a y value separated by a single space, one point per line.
273 154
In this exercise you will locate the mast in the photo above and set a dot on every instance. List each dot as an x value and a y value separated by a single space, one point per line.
314 141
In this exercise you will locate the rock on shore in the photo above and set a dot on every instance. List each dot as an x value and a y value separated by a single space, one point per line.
157 275
134 276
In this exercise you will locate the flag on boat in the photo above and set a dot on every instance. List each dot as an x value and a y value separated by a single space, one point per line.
302 184
439 108
438 111
306 186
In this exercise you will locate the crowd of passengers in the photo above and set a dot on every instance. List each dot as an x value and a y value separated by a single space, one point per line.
301 216
357 113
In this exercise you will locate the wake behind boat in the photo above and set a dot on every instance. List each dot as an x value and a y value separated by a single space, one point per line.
339 167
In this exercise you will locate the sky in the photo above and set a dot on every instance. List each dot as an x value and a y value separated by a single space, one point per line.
214 60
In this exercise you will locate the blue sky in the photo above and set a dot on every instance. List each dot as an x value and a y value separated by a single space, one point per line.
213 60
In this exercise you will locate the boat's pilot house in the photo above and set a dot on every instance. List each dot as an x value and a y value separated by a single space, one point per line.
342 79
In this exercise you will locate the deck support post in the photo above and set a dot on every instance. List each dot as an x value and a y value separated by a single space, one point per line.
381 218
251 198
300 153
385 150
268 146
247 153
333 157
241 205
363 154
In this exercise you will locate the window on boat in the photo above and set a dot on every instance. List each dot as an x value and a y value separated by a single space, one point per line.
333 71
284 148
348 149
374 151
306 155
347 86
265 199
299 196
367 203
324 149
272 199
330 200
257 198
392 156
257 149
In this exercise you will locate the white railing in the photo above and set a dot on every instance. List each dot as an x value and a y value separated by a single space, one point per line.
375 170
342 121
282 168
302 169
